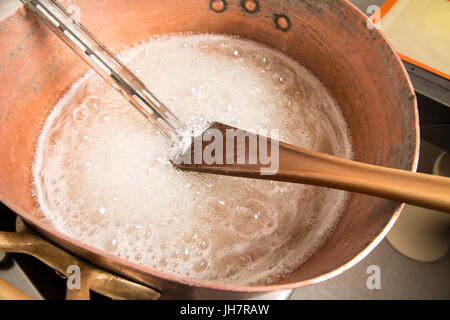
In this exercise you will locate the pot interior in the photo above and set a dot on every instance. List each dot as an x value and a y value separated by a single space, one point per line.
329 37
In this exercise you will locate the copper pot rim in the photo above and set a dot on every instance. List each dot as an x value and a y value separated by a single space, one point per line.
204 284
40 225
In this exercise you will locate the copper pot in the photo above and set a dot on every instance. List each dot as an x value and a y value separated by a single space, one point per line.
329 37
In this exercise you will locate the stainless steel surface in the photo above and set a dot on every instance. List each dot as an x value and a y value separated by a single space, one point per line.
15 276
401 279
364 5
429 84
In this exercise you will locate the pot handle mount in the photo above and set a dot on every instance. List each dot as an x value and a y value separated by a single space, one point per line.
81 275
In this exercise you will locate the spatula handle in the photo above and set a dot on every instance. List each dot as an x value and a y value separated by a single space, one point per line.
299 165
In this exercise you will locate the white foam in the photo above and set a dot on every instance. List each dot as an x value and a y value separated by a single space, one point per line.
102 173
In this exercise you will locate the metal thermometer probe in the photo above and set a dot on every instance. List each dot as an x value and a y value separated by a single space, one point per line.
105 63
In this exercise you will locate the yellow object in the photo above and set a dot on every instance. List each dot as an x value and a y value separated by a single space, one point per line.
419 30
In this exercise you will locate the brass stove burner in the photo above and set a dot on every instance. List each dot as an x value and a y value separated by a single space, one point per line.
91 277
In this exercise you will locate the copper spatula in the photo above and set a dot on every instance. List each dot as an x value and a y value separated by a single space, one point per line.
222 149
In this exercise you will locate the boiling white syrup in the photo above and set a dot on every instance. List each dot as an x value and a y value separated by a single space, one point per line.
102 173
